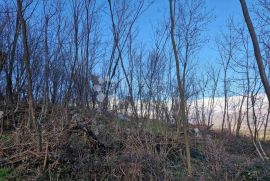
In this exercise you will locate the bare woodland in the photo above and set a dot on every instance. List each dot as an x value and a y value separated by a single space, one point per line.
82 97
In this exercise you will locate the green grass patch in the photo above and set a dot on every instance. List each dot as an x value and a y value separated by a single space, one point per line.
179 172
6 173
132 124
7 139
158 127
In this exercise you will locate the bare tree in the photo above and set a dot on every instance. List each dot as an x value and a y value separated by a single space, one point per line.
117 40
90 13
257 51
32 118
227 47
182 108
76 9
27 65
11 61
262 12
214 77
47 17
261 68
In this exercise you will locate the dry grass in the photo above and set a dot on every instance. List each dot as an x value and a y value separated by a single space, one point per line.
123 150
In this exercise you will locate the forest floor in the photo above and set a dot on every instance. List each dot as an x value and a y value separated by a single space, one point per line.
88 145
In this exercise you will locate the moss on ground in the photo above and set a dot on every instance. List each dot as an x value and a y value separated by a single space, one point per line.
6 173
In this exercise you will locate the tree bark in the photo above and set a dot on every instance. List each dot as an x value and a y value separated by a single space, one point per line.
46 69
32 120
27 65
182 112
256 47
240 119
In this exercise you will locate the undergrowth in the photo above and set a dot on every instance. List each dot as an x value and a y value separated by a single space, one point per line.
95 146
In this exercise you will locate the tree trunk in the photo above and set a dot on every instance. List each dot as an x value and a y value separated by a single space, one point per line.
261 68
27 65
116 40
256 47
182 112
46 69
266 124
32 119
239 120
9 72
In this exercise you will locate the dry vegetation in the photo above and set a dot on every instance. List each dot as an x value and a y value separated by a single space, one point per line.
87 145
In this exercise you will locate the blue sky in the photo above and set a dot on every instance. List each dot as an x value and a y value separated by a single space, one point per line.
221 11
156 14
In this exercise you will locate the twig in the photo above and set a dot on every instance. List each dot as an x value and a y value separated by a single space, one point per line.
46 156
